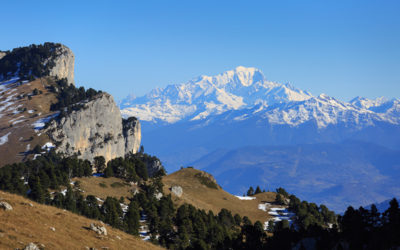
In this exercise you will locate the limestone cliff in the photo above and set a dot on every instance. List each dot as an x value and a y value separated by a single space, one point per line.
63 64
96 129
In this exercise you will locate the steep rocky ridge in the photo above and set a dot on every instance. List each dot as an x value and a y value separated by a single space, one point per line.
85 124
63 64
96 129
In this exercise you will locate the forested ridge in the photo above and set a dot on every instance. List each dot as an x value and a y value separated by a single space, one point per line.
28 62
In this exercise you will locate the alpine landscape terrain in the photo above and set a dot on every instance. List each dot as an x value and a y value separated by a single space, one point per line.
244 129
232 161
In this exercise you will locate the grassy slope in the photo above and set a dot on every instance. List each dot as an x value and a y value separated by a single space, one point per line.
91 186
207 198
22 131
26 224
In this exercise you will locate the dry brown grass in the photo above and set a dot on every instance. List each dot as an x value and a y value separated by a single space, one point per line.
22 133
91 186
25 224
207 198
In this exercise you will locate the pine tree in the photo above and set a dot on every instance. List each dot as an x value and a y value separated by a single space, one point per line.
36 193
250 192
258 190
131 219
99 163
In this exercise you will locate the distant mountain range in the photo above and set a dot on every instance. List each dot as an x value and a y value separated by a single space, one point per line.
193 122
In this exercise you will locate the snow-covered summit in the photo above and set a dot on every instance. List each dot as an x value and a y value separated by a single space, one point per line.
244 93
210 95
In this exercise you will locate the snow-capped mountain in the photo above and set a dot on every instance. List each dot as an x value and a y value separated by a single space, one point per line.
243 93
205 96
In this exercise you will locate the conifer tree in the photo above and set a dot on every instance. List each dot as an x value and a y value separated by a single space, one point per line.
250 192
36 193
131 219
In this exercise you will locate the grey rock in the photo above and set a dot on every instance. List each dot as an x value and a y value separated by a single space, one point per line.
64 64
158 195
97 129
6 206
177 190
132 134
31 246
99 228
153 166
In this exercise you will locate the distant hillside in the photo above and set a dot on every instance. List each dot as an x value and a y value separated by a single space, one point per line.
26 223
200 191
337 175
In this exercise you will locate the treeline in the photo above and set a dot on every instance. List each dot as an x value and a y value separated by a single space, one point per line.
69 96
28 62
357 229
306 214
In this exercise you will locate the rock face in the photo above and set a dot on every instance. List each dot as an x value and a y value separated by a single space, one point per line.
153 166
2 54
64 64
4 205
99 229
177 190
132 133
96 129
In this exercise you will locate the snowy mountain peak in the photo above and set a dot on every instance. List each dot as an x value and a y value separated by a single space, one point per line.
366 103
245 93
242 87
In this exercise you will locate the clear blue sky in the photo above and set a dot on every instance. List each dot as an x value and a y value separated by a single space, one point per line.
341 48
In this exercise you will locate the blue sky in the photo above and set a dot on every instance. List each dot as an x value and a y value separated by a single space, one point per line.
341 48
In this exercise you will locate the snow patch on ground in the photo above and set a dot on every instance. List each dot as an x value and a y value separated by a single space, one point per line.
39 124
48 146
245 198
4 138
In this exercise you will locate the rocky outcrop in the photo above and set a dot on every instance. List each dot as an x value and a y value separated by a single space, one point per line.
153 165
95 129
132 133
31 246
64 64
99 229
6 206
177 190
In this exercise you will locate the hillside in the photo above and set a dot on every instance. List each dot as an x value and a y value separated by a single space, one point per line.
25 224
24 107
200 190
337 175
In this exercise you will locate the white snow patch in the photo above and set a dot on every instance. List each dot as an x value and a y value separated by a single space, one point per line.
31 111
39 124
4 138
48 146
245 198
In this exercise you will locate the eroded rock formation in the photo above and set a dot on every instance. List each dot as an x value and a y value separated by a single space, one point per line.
96 129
